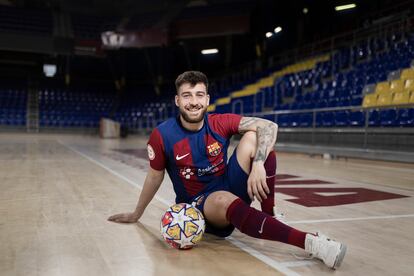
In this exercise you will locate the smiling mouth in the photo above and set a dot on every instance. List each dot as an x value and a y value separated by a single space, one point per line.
193 110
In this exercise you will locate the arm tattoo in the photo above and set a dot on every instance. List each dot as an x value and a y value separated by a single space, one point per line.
266 137
245 123
266 132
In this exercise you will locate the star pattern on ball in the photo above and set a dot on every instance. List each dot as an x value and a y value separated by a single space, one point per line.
180 218
185 241
201 225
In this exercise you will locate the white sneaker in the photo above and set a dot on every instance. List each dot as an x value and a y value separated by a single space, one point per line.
329 251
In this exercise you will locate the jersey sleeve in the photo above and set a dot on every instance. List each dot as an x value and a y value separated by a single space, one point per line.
156 153
225 124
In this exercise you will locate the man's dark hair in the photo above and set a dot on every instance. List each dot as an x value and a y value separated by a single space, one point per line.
191 77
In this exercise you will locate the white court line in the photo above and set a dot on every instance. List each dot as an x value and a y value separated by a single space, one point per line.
275 264
166 202
349 219
298 263
270 262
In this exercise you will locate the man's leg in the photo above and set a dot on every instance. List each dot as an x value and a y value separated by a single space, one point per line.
222 208
246 150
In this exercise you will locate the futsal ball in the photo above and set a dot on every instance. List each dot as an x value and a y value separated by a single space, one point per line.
182 226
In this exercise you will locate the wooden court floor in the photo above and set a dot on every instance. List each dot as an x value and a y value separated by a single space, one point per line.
58 190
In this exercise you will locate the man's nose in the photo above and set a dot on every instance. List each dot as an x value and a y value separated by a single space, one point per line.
193 100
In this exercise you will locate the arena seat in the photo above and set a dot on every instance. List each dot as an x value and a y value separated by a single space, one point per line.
411 100
384 99
406 117
370 100
73 108
388 117
382 88
13 105
401 98
407 74
373 118
409 85
397 86
341 118
356 118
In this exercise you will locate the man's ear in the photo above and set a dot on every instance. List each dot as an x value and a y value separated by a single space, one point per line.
176 100
208 99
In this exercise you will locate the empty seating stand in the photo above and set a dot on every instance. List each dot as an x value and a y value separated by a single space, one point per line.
13 103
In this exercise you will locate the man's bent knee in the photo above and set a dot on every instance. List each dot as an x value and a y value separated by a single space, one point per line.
215 207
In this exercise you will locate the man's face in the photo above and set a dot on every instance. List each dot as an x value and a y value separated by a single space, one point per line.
192 102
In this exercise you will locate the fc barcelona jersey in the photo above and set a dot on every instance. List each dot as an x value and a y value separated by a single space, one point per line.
193 159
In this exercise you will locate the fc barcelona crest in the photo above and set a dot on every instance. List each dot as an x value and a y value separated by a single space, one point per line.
214 149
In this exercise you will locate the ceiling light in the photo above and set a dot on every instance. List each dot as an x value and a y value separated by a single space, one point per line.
269 34
345 7
209 51
278 29
305 10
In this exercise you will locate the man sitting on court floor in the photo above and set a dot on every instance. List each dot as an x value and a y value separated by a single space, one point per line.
193 150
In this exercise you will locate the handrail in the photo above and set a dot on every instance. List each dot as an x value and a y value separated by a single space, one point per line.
325 109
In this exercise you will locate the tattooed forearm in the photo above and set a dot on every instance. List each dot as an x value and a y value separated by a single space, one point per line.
266 138
266 132
246 123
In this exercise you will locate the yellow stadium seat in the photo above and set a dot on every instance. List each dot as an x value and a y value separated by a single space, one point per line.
409 85
407 74
411 97
223 101
397 86
401 98
370 100
211 108
384 99
382 87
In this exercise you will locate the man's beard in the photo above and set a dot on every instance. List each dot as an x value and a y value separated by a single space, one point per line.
192 120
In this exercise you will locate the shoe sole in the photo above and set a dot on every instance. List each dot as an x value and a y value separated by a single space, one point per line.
340 257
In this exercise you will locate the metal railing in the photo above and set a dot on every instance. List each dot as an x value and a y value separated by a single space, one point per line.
314 128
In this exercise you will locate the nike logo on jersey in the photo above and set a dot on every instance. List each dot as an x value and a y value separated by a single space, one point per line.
181 157
261 228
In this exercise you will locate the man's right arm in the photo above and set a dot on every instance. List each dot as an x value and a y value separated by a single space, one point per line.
152 183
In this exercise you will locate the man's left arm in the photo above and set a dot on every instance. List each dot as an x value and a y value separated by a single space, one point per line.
266 134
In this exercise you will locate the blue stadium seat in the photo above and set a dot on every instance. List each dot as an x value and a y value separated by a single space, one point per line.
341 118
406 117
357 118
284 120
305 119
373 118
328 119
388 117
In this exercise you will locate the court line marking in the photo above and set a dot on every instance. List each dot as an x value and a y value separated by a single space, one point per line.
279 266
298 263
265 259
164 201
350 219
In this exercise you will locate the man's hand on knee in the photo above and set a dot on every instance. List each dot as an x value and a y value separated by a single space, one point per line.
256 183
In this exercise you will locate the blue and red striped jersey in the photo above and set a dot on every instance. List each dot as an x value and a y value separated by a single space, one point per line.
192 159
